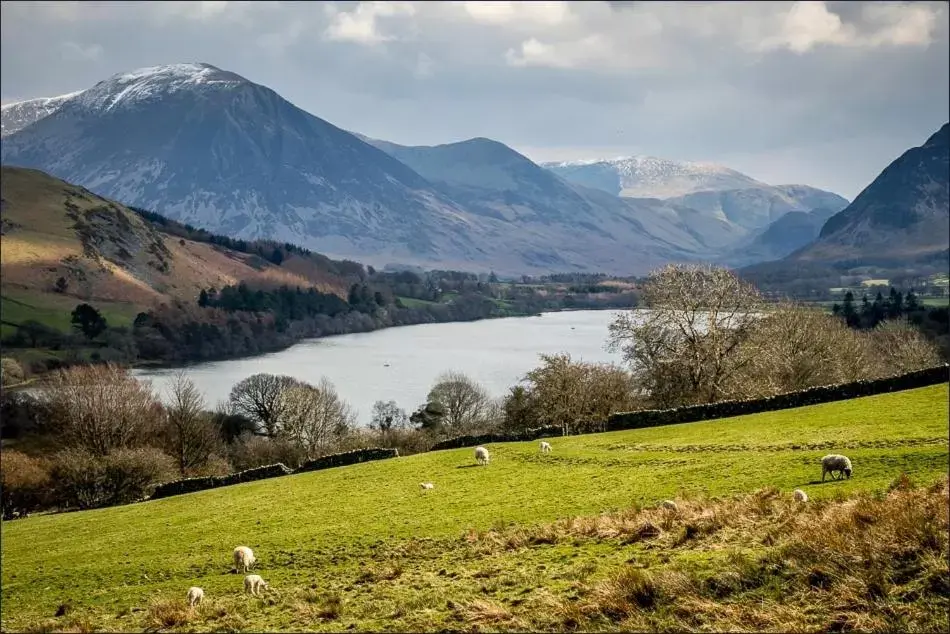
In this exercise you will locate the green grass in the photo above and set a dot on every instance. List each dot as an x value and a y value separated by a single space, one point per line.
410 302
394 557
55 310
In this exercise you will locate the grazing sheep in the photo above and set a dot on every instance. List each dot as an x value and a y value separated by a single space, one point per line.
835 463
195 595
254 584
670 505
481 455
545 447
243 559
799 495
425 486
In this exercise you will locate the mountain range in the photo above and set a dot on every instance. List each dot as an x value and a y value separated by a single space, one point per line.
208 147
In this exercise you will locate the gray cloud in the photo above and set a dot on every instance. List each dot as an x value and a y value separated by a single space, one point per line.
822 93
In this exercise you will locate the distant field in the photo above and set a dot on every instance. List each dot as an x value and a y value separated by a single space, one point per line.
361 548
55 310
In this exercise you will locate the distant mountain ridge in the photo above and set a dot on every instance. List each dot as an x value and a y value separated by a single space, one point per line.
16 116
206 146
903 214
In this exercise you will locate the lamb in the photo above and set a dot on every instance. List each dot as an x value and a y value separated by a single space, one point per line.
243 559
799 495
254 584
425 486
195 595
545 447
835 463
481 455
669 505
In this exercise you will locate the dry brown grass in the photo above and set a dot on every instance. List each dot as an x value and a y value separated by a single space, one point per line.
168 613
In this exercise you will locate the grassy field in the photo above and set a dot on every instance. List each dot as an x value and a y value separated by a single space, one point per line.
524 543
55 310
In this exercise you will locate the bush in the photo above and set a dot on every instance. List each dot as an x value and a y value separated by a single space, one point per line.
84 480
129 474
10 372
24 483
79 479
250 451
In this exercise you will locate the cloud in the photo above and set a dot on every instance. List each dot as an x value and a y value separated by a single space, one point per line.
73 52
361 24
817 92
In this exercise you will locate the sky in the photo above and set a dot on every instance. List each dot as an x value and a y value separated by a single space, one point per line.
821 93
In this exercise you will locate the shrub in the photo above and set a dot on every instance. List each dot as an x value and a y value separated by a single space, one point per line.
24 482
250 451
10 372
79 479
129 474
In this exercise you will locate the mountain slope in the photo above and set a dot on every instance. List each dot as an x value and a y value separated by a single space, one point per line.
104 251
650 177
491 179
903 213
208 147
789 233
16 116
755 207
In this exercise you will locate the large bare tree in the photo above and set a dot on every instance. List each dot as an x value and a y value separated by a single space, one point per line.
259 398
466 404
101 408
315 418
684 349
576 395
191 436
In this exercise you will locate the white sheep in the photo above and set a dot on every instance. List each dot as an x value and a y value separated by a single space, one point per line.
243 559
425 486
545 447
195 595
835 463
481 455
254 584
799 495
669 505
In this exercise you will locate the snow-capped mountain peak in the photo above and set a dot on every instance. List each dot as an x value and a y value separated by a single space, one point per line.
16 116
651 177
126 89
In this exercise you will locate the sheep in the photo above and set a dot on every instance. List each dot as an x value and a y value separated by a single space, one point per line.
425 486
195 595
254 584
799 495
481 455
835 463
669 505
243 559
545 447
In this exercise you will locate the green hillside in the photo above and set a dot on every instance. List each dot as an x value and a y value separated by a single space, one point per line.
362 548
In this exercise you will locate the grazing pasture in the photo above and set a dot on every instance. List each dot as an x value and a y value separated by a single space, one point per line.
559 541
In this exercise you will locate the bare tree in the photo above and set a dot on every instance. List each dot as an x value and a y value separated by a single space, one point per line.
259 398
388 416
577 395
192 437
314 417
900 347
464 401
101 408
685 348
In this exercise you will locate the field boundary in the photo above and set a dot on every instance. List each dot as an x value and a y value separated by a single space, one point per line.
724 409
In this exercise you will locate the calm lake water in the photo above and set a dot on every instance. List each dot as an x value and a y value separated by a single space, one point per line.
401 364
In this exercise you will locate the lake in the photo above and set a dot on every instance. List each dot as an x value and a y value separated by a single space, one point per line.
401 364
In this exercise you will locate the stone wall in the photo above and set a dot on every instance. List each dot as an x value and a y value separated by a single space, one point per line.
810 396
725 409
346 458
190 485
